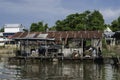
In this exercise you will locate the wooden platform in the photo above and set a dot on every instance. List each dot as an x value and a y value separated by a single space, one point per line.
42 58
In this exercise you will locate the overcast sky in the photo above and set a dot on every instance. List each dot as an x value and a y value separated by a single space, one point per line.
49 11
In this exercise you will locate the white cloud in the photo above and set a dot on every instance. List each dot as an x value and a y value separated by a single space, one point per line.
110 13
27 11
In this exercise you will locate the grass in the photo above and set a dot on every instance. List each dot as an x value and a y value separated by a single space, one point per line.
111 50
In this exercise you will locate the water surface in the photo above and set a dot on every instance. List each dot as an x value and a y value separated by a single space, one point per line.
66 70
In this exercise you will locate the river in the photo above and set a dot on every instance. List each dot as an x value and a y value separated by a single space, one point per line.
66 70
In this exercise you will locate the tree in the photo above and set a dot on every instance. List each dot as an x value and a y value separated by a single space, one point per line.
25 30
115 25
83 21
36 27
96 21
2 30
52 28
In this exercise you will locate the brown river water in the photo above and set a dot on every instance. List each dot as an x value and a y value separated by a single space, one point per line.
65 70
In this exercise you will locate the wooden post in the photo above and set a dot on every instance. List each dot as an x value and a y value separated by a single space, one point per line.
21 47
82 48
46 51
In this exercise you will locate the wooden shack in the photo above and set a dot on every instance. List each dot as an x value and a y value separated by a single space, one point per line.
69 40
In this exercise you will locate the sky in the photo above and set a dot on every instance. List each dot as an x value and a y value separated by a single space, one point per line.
26 12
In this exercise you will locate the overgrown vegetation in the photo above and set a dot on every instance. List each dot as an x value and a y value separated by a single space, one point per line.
84 21
88 20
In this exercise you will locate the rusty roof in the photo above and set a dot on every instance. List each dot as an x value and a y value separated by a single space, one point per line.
62 34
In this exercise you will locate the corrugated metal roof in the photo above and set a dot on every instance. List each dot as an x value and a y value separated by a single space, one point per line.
61 34
42 36
30 35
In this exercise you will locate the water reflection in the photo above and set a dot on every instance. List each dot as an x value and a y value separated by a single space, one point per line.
67 70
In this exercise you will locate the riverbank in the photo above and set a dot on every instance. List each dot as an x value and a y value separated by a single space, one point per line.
7 51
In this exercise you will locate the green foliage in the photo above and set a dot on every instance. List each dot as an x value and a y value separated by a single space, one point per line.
115 25
36 27
84 21
2 30
96 21
88 20
52 28
25 30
